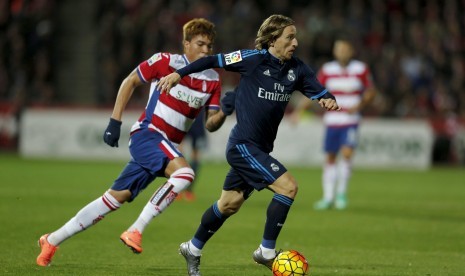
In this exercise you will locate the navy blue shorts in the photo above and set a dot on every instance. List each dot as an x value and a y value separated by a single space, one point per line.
336 137
251 168
150 153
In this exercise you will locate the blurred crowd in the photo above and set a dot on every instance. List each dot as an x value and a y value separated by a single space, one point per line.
26 46
416 49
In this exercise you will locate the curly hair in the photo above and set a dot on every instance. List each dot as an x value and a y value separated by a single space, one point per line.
271 29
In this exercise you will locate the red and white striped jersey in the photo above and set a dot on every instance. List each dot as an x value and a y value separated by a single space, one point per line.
347 84
173 114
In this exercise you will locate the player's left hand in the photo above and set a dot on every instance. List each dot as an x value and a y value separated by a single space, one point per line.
112 133
167 82
329 104
228 103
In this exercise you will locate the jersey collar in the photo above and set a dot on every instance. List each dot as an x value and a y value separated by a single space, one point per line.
185 59
276 60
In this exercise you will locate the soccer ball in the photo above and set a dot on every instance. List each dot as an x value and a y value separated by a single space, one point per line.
289 263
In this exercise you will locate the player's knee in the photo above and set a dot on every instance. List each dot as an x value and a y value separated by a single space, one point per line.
121 196
292 189
285 185
229 208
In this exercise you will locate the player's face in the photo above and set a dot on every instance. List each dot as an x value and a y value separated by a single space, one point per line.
199 46
343 51
285 45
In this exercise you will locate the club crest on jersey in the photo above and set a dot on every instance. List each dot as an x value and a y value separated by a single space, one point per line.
233 57
291 75
274 167
154 59
204 86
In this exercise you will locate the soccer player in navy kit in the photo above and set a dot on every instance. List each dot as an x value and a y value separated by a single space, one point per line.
269 75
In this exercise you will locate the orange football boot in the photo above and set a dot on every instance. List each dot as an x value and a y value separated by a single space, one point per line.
133 239
47 251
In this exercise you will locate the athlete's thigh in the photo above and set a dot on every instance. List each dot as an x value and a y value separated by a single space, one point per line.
332 140
133 178
152 151
151 154
251 167
349 137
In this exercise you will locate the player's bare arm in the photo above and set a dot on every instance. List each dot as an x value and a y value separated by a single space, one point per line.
167 82
124 94
367 99
215 119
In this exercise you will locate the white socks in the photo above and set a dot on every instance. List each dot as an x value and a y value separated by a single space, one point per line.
87 216
332 175
97 209
163 197
194 250
267 252
329 181
345 171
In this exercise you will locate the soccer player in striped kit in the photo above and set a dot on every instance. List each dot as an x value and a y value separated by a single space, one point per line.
154 138
269 75
350 81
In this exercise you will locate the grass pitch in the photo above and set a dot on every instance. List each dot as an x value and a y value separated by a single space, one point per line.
397 223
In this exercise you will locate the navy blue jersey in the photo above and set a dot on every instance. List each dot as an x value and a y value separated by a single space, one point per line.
264 90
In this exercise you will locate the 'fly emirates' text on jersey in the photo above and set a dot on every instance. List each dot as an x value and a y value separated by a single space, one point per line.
347 84
263 93
173 114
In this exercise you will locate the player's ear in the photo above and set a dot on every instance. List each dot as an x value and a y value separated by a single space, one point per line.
185 44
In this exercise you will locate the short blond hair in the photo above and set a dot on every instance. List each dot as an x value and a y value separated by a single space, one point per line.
271 29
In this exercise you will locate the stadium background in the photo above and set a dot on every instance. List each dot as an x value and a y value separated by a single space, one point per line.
74 54
69 57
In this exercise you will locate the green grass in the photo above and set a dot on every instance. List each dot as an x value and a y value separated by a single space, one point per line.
398 223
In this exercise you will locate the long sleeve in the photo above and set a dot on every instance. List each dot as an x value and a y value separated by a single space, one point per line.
200 65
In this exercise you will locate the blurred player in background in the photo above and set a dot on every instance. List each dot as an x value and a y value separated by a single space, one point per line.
269 75
154 138
197 137
351 83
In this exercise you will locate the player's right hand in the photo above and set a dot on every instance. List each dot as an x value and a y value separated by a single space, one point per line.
167 82
228 103
112 133
329 104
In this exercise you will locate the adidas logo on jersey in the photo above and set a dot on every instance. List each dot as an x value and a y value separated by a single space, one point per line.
267 73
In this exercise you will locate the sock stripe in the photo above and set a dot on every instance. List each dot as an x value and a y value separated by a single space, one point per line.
216 210
283 199
108 202
188 177
270 244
